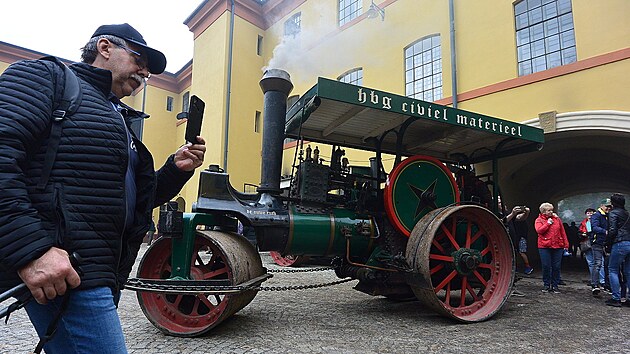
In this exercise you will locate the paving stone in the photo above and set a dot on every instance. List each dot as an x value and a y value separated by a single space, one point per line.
340 320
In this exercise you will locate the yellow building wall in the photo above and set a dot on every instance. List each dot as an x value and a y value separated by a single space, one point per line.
486 55
485 47
208 83
600 26
244 151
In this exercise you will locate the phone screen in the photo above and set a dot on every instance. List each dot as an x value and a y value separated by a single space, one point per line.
195 117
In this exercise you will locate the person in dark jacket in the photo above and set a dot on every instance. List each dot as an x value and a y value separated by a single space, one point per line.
599 225
98 198
619 237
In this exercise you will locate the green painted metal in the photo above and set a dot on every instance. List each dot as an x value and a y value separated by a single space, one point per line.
385 101
421 176
181 259
326 234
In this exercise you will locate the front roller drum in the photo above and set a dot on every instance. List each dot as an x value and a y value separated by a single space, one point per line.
216 256
462 261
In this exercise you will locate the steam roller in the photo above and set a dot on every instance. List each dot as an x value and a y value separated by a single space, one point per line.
418 231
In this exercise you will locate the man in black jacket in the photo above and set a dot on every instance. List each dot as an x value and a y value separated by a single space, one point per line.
619 237
98 197
599 225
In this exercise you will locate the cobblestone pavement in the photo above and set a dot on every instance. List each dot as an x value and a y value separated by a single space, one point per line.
339 319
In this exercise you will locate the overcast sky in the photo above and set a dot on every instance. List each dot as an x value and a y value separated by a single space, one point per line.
62 27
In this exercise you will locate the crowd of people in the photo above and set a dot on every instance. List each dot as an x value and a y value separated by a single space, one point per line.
603 239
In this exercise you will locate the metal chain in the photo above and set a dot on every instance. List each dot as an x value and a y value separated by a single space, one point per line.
321 269
138 285
301 287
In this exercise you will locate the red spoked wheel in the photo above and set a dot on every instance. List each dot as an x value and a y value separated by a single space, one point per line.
288 260
464 260
217 256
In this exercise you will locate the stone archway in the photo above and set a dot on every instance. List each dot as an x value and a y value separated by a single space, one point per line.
587 152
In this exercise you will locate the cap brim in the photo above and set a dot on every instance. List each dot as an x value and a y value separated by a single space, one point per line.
157 60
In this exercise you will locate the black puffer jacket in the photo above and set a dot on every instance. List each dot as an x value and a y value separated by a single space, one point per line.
82 208
618 225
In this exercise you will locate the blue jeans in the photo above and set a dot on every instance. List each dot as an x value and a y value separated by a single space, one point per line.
90 324
620 253
550 259
598 260
589 262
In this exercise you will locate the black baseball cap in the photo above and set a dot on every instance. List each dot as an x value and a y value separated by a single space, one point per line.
157 60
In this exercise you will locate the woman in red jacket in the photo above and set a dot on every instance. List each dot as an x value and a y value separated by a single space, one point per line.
552 240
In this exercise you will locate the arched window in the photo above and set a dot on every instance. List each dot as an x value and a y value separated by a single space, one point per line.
423 69
354 76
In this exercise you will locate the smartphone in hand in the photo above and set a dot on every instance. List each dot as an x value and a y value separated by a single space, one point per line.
195 118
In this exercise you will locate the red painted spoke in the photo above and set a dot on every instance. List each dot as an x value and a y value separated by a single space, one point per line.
178 299
447 299
462 301
438 246
195 309
468 231
481 279
437 268
486 265
205 300
485 251
450 237
472 292
439 257
476 236
445 281
215 273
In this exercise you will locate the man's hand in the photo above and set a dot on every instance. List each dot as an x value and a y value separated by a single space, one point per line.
50 275
189 157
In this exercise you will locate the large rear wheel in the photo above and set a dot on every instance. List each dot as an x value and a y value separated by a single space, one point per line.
464 262
216 256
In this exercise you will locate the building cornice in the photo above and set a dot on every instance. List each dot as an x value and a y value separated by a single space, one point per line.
261 16
274 10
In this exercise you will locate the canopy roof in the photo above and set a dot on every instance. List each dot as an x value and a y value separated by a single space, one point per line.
338 113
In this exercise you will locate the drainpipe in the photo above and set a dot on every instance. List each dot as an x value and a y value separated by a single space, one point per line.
451 14
228 89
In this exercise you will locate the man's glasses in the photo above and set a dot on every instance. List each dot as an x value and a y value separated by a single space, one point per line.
137 56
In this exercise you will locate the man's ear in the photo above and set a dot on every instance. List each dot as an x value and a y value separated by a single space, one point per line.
104 47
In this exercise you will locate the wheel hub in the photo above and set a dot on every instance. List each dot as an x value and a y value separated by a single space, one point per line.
466 260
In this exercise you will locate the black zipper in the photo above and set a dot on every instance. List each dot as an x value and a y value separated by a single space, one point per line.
122 235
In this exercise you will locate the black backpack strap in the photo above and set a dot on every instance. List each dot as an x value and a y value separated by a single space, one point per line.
63 108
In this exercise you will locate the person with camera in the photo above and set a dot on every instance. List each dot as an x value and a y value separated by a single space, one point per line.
96 201
552 240
516 222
